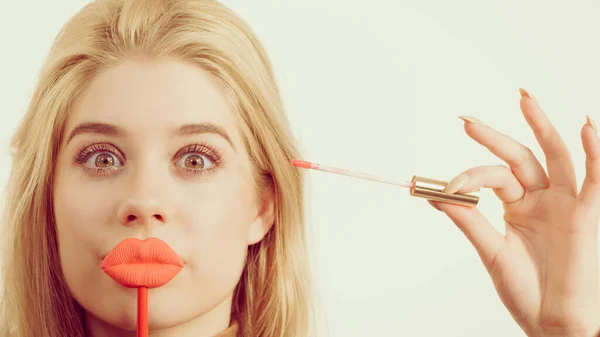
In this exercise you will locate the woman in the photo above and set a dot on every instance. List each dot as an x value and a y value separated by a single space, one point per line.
162 119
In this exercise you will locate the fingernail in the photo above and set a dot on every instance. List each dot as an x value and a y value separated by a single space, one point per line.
526 94
591 123
470 119
455 184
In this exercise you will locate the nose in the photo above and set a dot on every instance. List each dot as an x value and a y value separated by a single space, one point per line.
142 211
144 201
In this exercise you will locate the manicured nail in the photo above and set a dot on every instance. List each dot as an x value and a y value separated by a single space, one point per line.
526 94
591 123
470 119
455 184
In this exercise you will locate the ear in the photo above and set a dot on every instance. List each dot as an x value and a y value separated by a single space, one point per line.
265 217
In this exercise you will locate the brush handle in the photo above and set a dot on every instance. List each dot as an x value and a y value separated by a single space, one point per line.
142 328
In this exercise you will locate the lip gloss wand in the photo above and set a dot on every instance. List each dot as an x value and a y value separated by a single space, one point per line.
421 187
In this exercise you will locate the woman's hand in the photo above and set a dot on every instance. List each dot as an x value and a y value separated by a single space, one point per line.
545 268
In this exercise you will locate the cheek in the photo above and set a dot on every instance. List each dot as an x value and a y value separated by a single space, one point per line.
79 219
218 233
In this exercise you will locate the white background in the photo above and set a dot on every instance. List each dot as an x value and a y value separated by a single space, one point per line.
377 86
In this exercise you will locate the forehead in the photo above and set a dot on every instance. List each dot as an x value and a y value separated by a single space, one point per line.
151 96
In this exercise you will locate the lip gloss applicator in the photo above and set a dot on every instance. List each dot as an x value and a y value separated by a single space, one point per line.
421 187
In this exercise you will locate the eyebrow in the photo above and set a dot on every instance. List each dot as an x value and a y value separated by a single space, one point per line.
184 130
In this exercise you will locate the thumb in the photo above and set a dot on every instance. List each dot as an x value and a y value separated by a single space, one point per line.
479 231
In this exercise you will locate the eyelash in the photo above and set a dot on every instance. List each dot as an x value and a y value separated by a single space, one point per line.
85 152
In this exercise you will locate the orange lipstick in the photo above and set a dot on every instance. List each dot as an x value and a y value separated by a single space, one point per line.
149 263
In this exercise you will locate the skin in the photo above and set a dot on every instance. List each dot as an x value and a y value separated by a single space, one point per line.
145 184
545 269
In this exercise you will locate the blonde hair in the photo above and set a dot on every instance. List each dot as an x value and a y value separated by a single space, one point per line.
274 295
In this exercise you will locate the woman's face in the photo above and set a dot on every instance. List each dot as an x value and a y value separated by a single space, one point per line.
153 150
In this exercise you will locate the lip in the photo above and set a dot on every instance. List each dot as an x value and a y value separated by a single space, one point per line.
149 263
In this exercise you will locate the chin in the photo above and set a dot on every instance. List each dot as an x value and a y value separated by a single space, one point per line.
167 308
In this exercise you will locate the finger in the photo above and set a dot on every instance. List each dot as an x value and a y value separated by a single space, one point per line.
589 195
482 235
434 205
521 160
499 178
558 158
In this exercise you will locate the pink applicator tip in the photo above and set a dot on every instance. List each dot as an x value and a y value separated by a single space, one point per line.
302 163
